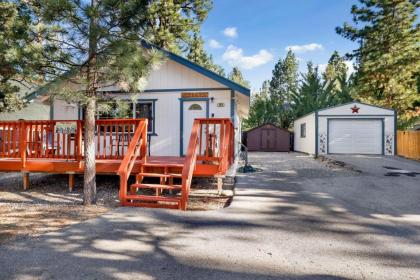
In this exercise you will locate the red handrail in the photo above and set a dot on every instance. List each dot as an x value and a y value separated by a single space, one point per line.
189 164
221 128
136 148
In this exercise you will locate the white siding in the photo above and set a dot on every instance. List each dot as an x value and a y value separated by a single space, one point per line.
172 75
305 144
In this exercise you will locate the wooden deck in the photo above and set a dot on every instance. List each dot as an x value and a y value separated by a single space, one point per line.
121 149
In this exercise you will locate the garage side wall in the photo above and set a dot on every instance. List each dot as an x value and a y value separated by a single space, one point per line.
305 143
365 112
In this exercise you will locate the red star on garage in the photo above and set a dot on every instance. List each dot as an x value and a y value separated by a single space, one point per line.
354 109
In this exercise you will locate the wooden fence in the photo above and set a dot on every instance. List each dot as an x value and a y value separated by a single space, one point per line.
408 144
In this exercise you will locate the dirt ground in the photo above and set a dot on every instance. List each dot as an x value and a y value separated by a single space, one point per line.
48 205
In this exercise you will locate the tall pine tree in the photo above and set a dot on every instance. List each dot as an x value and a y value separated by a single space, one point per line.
260 109
312 94
236 76
96 43
388 57
171 24
197 54
19 53
282 85
336 74
336 68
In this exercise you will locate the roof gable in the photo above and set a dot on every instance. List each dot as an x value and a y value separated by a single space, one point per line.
200 69
359 109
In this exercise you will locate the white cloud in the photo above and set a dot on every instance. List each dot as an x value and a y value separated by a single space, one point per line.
230 32
235 57
322 67
214 44
305 48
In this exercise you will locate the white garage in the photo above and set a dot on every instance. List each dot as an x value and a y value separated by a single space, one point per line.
352 128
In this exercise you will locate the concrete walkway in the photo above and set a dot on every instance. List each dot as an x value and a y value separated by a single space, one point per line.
297 219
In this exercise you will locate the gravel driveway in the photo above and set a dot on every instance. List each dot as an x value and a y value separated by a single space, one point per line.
298 218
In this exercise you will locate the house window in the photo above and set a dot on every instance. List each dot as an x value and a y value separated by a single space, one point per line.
303 130
196 107
120 109
145 110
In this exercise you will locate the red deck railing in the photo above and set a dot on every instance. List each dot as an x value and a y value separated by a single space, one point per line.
212 143
57 146
56 139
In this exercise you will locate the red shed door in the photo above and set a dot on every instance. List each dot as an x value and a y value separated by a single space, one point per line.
268 139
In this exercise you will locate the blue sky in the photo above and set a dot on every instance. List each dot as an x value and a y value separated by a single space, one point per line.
254 34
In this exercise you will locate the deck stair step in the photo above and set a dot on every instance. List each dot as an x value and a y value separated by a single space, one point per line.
154 186
150 198
160 175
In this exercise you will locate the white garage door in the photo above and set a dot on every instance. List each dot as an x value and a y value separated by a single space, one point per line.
351 136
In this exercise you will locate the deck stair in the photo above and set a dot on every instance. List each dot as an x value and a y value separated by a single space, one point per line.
166 183
162 194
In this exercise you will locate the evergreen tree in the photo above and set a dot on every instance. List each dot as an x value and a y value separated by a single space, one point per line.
18 53
336 75
198 55
285 78
282 85
259 110
388 57
312 94
95 43
172 23
236 76
336 68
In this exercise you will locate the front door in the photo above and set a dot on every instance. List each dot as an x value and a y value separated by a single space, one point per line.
191 110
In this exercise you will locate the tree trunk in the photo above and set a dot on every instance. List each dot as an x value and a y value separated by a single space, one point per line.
89 180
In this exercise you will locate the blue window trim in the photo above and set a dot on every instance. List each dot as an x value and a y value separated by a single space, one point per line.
181 119
382 125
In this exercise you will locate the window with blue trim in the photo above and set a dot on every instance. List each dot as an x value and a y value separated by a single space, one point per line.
144 109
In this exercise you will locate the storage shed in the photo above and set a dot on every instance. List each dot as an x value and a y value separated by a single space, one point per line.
268 138
351 128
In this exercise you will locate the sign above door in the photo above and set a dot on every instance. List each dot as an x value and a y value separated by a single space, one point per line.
194 94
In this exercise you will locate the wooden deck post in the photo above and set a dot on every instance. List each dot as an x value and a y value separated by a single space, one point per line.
25 180
219 185
71 182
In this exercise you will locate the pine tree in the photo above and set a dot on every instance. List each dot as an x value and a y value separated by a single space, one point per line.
282 85
171 24
336 68
198 55
336 75
285 78
259 110
312 94
18 54
388 55
95 43
236 76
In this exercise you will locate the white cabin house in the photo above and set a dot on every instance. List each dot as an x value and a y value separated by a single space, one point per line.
176 93
352 128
